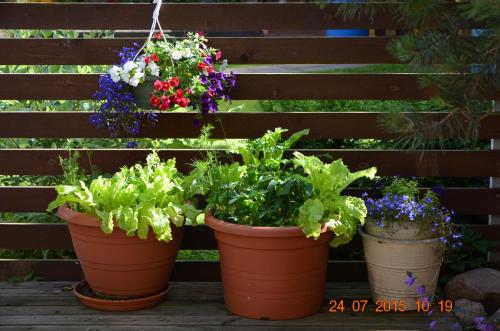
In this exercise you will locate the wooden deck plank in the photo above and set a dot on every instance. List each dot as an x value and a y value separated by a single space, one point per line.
51 306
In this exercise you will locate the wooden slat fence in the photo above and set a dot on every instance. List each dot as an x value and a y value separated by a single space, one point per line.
284 17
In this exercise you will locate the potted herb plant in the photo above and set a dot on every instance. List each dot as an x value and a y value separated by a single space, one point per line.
126 231
273 218
404 237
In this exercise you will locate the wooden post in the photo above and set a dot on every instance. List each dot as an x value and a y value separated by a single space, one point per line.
494 257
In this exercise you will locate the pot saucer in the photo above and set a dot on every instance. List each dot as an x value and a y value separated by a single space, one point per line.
90 299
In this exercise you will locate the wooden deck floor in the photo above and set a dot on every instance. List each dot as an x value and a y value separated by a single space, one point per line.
190 306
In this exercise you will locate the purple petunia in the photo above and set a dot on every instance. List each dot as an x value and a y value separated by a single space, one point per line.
421 290
410 279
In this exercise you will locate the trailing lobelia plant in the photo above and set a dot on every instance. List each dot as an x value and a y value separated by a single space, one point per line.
268 189
136 199
402 205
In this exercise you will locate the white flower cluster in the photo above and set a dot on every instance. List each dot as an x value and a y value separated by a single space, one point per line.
178 54
132 72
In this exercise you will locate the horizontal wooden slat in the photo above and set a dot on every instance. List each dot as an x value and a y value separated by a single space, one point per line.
193 17
56 236
313 50
184 271
470 201
249 86
436 163
354 125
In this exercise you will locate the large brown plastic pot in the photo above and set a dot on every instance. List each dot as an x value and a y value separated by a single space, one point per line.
271 272
117 265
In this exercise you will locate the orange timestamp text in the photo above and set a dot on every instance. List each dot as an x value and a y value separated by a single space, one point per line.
386 306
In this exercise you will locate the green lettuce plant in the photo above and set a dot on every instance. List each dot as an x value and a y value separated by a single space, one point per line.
327 205
269 189
135 199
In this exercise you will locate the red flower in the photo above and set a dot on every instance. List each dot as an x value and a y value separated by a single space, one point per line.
183 102
163 106
210 69
174 81
201 66
218 55
155 101
158 35
147 59
165 86
158 85
165 102
179 93
154 58
189 91
201 33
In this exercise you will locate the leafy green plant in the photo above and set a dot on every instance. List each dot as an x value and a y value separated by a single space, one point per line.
268 189
341 213
473 254
136 199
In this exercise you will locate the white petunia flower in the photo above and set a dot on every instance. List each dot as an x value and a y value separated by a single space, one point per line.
187 53
125 76
154 69
140 62
114 72
136 79
223 66
130 65
176 55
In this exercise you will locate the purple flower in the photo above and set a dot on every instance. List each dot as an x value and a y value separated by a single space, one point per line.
421 290
410 279
483 325
456 326
132 144
432 325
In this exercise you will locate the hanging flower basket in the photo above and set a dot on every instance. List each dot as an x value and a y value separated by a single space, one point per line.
165 74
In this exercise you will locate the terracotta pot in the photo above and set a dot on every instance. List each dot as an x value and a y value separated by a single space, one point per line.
142 92
388 261
118 265
271 272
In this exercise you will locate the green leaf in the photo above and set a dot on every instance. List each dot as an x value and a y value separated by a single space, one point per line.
310 215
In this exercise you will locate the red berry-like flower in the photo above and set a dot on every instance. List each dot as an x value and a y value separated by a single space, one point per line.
210 69
179 93
147 59
154 58
165 86
158 35
189 91
183 102
201 66
158 85
155 101
174 81
163 106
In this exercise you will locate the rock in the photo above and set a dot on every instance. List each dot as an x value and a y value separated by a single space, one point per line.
466 310
496 318
491 302
473 284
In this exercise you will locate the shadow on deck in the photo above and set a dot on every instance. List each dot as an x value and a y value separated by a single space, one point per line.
189 306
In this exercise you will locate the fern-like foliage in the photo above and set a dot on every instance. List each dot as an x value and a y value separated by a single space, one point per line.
459 39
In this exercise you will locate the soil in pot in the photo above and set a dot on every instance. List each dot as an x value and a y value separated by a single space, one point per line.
118 265
271 272
389 261
88 297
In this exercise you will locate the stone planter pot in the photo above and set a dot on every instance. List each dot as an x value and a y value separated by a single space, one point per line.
388 261
271 272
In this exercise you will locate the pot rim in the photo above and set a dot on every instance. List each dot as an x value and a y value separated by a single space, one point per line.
255 231
74 217
362 233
